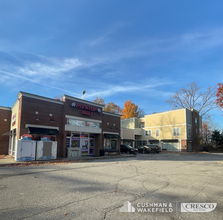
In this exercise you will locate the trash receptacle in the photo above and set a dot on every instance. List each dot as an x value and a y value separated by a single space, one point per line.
102 152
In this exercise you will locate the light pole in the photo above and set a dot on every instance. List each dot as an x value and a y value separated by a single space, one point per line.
83 94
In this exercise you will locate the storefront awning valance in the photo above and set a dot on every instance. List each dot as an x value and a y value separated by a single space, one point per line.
128 140
111 136
45 131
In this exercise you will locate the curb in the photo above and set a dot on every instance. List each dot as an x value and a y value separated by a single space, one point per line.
62 161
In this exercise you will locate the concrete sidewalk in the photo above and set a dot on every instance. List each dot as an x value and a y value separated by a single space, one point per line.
9 160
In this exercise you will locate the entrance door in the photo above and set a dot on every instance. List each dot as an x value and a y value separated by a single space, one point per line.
84 144
189 146
91 146
113 144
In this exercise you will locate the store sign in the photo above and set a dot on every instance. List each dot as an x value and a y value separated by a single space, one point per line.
86 110
13 120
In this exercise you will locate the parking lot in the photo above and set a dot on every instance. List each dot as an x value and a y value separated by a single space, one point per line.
98 189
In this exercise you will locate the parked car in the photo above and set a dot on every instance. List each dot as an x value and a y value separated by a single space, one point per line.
144 149
154 148
128 149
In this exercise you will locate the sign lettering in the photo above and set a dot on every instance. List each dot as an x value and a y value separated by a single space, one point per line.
86 110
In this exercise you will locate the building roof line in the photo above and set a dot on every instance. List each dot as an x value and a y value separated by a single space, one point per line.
39 97
84 101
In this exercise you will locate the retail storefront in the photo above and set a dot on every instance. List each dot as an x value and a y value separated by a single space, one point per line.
111 140
73 123
84 141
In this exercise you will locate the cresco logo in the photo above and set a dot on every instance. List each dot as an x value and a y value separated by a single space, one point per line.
198 207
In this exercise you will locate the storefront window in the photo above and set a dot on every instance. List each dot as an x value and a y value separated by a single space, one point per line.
93 124
107 143
68 134
84 141
75 142
74 122
75 135
111 144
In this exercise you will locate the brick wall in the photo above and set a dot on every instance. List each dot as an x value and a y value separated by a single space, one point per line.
184 145
5 114
28 109
111 124
195 131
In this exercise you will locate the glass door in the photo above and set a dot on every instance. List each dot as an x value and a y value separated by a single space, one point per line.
91 147
84 144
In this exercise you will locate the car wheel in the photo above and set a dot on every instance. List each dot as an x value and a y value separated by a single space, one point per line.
127 152
143 152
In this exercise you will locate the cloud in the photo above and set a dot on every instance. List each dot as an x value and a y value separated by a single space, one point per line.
103 38
52 68
98 69
203 40
128 87
12 77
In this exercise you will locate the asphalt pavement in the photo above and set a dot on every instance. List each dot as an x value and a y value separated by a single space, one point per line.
155 185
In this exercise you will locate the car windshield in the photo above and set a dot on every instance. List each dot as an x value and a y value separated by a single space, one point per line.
128 146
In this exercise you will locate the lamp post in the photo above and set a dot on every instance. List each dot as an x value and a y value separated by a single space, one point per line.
83 94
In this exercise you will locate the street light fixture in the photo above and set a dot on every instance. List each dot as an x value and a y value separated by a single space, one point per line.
83 94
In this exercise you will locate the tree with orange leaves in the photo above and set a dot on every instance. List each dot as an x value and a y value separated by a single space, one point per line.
219 100
113 108
109 107
130 110
99 100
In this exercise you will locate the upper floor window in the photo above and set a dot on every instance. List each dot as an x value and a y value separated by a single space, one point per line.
142 124
176 131
196 121
189 131
157 132
148 133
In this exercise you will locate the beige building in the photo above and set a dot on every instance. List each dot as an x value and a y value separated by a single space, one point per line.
173 130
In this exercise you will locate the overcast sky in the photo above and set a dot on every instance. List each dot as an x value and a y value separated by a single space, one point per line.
120 50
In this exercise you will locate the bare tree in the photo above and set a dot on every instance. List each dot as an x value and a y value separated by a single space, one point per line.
192 98
141 113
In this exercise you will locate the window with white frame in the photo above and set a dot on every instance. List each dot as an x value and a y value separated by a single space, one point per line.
148 133
176 131
157 132
142 124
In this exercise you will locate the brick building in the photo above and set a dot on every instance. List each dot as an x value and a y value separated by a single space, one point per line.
5 118
71 122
